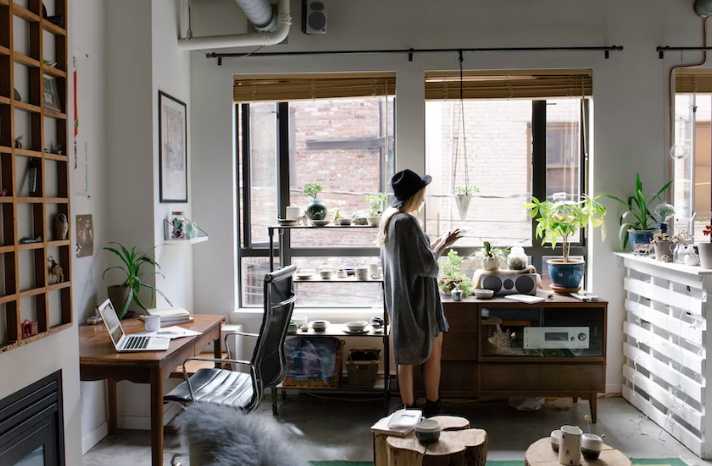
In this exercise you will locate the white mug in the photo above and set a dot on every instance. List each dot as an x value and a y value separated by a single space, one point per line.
570 448
362 273
152 323
377 274
373 269
341 273
292 212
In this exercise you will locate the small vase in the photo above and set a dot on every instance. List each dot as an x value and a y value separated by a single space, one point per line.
570 448
490 264
316 210
705 251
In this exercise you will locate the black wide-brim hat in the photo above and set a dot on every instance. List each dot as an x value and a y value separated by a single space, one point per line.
405 184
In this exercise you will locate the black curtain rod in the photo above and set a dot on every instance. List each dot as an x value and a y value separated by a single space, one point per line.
661 50
410 52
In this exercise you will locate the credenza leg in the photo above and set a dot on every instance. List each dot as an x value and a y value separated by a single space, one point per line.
593 401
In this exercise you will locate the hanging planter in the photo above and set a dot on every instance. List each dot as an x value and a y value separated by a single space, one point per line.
463 196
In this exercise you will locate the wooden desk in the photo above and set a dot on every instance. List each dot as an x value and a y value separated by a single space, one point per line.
99 360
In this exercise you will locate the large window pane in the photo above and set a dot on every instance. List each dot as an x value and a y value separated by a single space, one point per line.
263 169
253 271
497 135
347 146
563 148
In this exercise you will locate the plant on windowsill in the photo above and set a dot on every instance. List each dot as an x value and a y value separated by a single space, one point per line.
122 295
561 219
316 210
490 257
450 268
637 223
375 207
463 196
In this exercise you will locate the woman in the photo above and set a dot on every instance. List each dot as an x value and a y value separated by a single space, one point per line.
410 270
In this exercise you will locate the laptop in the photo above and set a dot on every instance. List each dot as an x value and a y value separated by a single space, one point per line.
130 343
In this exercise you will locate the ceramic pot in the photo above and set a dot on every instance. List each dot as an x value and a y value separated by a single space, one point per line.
566 274
705 252
490 264
427 431
570 448
373 221
663 248
636 237
555 439
118 294
463 204
316 210
591 446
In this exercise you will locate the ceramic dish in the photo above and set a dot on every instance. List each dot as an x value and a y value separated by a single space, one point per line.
320 223
304 273
344 221
319 325
286 223
356 332
356 326
483 294
428 431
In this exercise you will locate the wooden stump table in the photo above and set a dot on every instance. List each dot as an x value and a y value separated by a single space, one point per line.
458 445
541 454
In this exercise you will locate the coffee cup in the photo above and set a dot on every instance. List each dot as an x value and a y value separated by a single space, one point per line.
292 212
152 323
377 274
325 273
362 273
341 273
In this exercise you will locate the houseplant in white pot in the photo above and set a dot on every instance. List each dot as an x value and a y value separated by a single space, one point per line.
561 219
375 207
463 196
122 295
490 258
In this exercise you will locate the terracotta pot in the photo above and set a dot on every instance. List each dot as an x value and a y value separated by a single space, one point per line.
118 294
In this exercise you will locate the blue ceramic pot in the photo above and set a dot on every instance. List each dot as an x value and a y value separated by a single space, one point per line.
316 210
566 275
636 237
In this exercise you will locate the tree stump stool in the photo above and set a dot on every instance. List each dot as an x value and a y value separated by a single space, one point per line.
458 445
540 453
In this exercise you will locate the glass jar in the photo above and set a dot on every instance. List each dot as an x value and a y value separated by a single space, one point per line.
178 225
517 259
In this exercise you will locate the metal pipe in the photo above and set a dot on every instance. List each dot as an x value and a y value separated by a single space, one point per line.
260 13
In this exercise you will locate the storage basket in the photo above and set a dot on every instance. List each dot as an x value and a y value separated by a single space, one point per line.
362 367
290 382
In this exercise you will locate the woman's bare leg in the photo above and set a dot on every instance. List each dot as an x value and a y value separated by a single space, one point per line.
405 384
431 371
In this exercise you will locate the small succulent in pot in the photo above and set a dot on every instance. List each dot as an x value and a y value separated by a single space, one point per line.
316 210
491 257
375 207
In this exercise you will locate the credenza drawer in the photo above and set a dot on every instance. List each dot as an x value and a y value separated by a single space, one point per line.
456 379
459 347
462 320
539 376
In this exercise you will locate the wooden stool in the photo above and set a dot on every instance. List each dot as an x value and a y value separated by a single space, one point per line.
541 454
458 445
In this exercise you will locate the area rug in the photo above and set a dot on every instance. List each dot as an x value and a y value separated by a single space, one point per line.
635 461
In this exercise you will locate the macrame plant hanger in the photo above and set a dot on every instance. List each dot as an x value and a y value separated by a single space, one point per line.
462 200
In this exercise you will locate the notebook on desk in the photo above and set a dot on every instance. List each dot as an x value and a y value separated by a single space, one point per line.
130 343
171 316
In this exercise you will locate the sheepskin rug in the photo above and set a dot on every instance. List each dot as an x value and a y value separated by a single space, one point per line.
220 436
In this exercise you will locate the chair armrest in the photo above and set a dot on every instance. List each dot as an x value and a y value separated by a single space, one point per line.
227 347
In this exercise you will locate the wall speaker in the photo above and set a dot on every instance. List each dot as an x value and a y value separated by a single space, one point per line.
510 283
313 17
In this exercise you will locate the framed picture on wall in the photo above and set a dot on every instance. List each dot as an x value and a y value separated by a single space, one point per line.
49 93
172 149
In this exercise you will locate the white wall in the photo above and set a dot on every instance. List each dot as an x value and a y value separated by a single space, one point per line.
629 101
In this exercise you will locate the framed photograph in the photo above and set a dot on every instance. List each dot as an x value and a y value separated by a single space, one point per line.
172 149
49 93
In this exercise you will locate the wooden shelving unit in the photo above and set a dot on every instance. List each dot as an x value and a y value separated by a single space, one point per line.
22 211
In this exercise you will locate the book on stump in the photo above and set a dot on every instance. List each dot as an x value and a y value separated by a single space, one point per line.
399 424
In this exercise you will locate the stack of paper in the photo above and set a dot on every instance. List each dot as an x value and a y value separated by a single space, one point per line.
398 424
172 316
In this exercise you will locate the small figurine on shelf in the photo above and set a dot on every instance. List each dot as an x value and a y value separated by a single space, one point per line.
17 96
302 219
58 149
29 329
56 273
61 227
3 193
28 240
18 142
46 151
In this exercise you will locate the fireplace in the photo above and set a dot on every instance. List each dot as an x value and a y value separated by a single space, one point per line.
31 425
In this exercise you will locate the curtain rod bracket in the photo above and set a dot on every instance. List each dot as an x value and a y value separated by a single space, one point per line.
219 61
607 54
410 55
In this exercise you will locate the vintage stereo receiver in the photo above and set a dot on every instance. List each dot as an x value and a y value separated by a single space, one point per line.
556 337
510 283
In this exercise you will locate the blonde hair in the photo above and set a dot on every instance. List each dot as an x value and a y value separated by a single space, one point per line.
411 206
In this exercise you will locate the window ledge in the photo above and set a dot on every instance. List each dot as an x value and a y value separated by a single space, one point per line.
328 313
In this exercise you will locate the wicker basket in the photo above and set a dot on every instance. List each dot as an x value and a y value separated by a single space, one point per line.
312 384
363 374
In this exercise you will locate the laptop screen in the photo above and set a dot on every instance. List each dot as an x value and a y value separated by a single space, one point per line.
112 321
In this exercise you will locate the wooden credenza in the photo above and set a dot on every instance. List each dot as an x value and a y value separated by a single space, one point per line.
473 367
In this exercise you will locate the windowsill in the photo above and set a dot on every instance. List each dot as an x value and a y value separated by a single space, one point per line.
313 313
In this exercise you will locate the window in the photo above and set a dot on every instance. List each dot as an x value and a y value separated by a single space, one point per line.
347 145
498 149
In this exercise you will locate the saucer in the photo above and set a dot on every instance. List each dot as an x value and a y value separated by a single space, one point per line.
320 223
286 223
303 276
353 332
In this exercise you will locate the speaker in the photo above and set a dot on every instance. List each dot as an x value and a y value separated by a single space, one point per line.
510 283
313 17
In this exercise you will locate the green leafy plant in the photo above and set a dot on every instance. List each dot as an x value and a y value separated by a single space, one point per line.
638 215
313 189
465 190
132 262
490 252
450 267
561 219
375 204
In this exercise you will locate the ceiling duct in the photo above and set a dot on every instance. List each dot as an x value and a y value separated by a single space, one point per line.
260 13
703 8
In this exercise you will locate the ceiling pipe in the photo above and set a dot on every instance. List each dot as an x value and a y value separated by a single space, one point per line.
255 39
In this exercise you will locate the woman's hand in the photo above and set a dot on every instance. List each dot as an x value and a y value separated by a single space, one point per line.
445 241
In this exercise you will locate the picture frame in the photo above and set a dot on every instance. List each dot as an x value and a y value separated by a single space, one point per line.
50 96
172 149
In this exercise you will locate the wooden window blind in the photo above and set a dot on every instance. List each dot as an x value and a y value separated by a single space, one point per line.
276 88
691 80
508 84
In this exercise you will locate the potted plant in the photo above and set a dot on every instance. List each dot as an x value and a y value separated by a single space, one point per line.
122 295
663 246
316 209
450 268
637 223
490 257
375 207
559 220
463 196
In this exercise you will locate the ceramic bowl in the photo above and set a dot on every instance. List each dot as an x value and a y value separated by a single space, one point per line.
305 273
320 223
350 272
591 446
555 439
356 326
483 294
325 274
344 221
427 431
319 325
285 222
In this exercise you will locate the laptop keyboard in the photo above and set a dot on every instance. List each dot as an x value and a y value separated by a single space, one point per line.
136 343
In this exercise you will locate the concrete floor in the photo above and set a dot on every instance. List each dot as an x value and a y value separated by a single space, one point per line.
340 430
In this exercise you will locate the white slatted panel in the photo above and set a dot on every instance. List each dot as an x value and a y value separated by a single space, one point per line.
666 369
